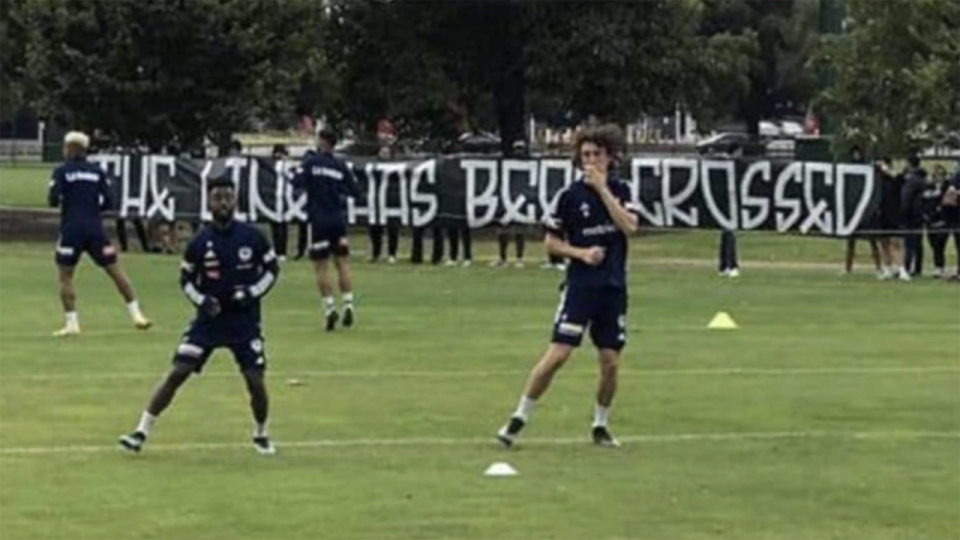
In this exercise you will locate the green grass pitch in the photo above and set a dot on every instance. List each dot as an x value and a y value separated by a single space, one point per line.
24 185
833 412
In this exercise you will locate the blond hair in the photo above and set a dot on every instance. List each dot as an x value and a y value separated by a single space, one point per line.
77 138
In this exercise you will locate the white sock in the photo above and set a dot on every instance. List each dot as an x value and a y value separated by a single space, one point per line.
329 304
600 414
146 422
524 408
73 319
134 309
348 298
259 430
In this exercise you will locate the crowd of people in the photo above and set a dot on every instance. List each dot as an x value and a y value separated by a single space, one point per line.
914 205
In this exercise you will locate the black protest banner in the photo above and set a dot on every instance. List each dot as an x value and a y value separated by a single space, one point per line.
672 192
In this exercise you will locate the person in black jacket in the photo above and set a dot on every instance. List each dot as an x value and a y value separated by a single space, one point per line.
392 228
951 216
888 220
279 230
856 156
931 200
914 182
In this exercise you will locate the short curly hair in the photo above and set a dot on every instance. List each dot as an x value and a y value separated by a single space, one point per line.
608 136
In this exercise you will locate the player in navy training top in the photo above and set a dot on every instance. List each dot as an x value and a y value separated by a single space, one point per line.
327 182
82 189
227 269
589 226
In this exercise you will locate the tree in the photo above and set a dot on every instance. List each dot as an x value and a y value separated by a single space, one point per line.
613 60
12 64
490 61
437 68
895 73
170 69
754 56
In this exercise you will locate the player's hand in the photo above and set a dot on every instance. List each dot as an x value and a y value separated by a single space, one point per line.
593 255
595 177
211 305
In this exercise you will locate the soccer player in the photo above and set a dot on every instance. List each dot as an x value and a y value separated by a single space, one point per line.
589 227
82 189
227 269
327 181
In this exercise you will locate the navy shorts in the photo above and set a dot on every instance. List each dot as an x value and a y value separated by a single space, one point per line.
72 244
197 346
328 240
601 311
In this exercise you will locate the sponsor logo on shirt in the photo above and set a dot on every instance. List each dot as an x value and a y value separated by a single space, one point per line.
82 176
597 230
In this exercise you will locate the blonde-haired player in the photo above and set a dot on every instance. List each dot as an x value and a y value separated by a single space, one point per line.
82 189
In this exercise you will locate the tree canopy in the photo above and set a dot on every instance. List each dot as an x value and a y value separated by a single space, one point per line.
181 70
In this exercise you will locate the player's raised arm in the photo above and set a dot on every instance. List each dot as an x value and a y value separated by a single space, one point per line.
626 206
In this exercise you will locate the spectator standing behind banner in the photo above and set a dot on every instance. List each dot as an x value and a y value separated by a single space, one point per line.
856 156
505 231
392 227
951 215
100 143
141 227
455 233
914 182
728 265
303 232
278 230
931 200
416 245
888 221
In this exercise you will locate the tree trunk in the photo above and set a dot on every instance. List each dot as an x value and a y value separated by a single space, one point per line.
509 86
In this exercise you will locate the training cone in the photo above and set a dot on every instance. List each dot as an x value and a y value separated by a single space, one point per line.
500 469
722 321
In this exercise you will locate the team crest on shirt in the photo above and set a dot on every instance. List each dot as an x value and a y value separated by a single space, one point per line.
585 209
211 264
245 254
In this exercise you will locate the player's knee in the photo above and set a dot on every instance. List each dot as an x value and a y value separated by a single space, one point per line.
178 375
609 361
253 376
557 355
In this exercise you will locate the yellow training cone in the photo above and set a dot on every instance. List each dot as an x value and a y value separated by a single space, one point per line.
722 321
